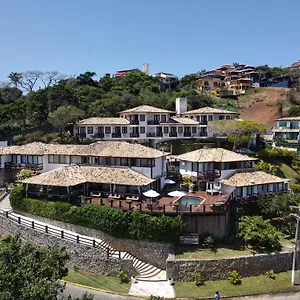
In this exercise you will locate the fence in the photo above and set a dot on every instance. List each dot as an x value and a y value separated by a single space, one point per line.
72 237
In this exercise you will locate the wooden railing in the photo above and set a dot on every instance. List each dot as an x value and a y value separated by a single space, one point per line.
72 237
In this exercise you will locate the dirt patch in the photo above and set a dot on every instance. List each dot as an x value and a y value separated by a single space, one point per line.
261 107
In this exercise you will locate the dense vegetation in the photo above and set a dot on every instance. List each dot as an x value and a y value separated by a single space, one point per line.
28 272
113 221
23 105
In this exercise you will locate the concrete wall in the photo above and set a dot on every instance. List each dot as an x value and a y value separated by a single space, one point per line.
184 270
84 257
153 253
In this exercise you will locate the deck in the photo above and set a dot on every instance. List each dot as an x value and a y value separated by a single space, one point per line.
165 205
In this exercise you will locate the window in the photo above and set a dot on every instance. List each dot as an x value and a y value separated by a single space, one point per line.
227 117
166 129
124 162
282 124
90 130
32 159
198 118
75 159
163 118
221 117
23 159
146 162
194 167
142 118
107 130
142 129
124 130
194 129
180 129
156 117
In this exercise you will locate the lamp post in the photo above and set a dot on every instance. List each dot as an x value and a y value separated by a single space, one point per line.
297 217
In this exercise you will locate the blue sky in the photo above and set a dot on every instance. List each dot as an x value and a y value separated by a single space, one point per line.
181 37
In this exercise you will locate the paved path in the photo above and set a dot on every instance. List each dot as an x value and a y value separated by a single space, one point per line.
150 280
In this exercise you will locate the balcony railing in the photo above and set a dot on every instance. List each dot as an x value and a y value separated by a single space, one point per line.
153 122
173 134
134 122
134 135
81 135
203 122
153 134
202 133
20 166
187 134
99 135
209 174
116 135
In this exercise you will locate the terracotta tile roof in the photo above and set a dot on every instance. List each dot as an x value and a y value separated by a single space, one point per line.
146 109
101 149
74 175
213 155
185 121
103 121
252 178
208 110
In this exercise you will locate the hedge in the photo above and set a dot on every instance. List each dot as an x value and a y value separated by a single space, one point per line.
134 225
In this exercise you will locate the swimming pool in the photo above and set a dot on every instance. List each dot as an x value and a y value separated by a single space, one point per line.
189 200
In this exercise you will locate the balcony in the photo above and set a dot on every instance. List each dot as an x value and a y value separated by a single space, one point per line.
187 134
173 134
116 135
203 122
134 135
153 134
134 122
202 133
81 135
20 166
209 175
99 135
153 122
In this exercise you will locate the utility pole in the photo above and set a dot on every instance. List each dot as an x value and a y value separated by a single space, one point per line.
297 217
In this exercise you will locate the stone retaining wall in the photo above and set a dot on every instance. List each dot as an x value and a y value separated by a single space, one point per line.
153 253
184 270
84 257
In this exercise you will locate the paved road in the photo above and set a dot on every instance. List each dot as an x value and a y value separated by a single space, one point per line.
295 296
76 291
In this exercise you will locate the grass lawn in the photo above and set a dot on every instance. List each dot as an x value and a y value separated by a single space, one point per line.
107 283
250 285
287 172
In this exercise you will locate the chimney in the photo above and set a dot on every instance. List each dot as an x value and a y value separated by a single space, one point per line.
181 106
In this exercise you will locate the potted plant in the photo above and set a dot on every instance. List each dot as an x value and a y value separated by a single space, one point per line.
191 187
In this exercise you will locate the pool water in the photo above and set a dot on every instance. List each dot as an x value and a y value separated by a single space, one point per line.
188 200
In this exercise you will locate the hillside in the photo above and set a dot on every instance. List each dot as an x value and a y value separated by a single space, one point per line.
261 105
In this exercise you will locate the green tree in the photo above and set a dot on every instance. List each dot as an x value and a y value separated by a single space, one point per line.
25 173
257 232
63 116
266 167
237 131
27 272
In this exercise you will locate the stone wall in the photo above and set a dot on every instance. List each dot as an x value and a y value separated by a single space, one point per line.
184 270
84 257
153 253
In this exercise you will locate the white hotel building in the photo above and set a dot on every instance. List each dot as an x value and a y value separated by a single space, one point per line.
145 122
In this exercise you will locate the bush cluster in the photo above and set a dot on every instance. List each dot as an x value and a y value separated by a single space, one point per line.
134 225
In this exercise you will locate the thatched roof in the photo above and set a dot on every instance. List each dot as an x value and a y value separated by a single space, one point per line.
146 109
209 110
213 155
74 175
103 121
100 149
240 179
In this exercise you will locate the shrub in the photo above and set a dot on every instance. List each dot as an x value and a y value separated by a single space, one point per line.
234 277
155 298
75 268
198 279
123 277
295 188
25 173
208 242
270 274
115 222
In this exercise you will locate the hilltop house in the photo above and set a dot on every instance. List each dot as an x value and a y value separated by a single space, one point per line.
41 157
217 170
288 129
145 122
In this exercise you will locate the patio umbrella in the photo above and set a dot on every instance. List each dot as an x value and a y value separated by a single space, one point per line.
169 181
151 194
176 194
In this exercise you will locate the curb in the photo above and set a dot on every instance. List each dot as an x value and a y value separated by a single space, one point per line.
101 290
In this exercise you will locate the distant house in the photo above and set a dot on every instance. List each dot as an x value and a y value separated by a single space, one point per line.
280 81
166 78
288 129
122 73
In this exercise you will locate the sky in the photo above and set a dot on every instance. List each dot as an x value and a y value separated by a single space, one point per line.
175 36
